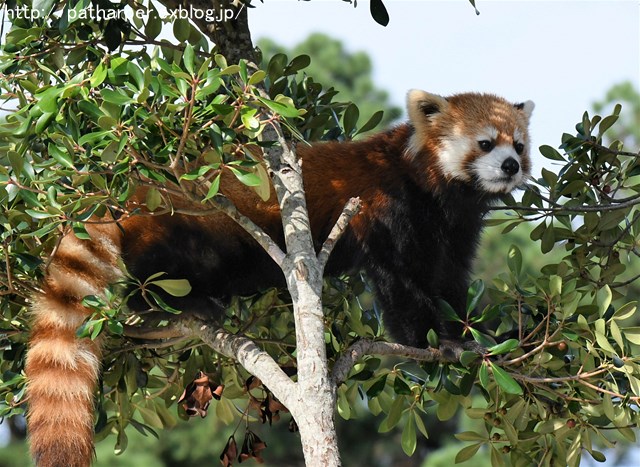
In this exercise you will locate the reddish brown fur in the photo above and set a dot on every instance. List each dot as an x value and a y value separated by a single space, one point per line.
61 374
361 169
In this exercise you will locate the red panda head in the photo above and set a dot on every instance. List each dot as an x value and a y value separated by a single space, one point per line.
479 139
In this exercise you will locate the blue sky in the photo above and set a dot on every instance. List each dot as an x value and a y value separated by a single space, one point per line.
563 55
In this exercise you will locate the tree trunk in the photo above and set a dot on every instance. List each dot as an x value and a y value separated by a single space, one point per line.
316 394
312 400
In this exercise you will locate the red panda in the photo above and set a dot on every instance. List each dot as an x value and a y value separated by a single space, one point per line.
424 187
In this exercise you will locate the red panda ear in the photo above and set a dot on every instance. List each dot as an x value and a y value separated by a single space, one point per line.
421 105
527 107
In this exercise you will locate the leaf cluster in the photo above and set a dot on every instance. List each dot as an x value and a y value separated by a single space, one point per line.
90 129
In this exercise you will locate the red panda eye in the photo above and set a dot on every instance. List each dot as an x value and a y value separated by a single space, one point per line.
519 147
486 145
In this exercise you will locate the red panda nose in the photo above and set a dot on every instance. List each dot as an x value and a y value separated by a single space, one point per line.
510 166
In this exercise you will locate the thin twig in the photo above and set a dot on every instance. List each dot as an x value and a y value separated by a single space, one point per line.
350 210
370 347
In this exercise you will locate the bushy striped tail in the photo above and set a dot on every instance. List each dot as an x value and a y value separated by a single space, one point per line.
61 369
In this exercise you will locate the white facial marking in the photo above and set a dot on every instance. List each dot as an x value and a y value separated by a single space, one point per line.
454 149
489 134
517 136
488 169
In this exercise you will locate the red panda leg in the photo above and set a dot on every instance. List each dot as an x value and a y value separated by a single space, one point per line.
61 369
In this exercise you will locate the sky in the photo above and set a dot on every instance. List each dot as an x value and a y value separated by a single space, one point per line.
563 55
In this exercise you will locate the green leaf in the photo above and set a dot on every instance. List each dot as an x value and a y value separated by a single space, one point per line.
60 155
175 287
153 199
496 458
96 329
121 443
151 418
550 177
375 119
98 76
210 88
257 77
394 415
409 441
298 63
153 27
448 313
447 407
90 328
601 337
551 153
350 118
555 285
38 214
432 339
80 231
467 453
514 260
43 121
117 97
379 12
16 161
377 387
505 381
249 119
264 189
135 72
214 188
43 7
548 239
276 66
281 108
181 29
225 411
468 358
187 58
504 347
474 294
470 436
247 178
162 304
115 327
603 299
625 311
400 387
230 70
199 172
420 424
343 405
606 123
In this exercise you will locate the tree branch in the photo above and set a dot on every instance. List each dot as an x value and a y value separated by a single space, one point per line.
255 360
350 209
449 352
226 206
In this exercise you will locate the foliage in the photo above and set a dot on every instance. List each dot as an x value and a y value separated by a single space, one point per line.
349 73
92 126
